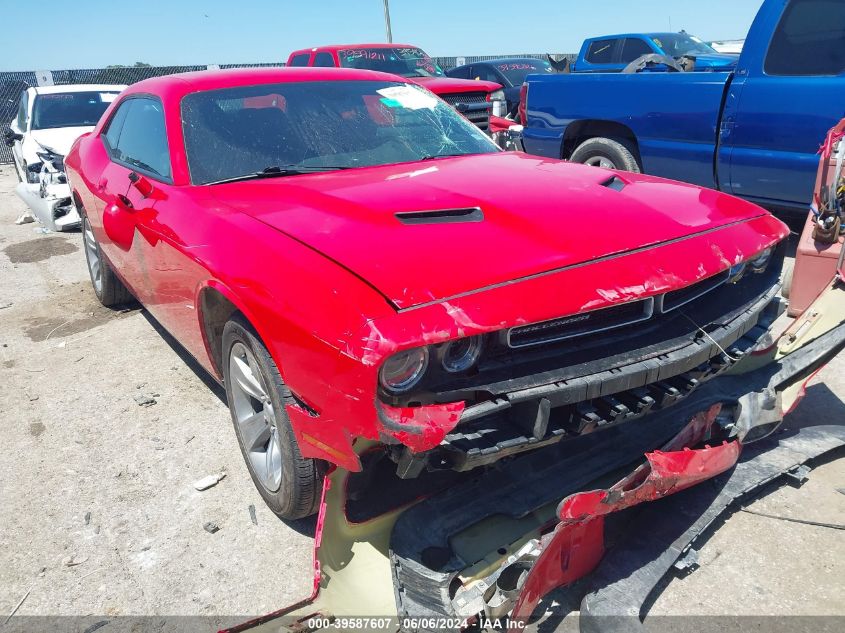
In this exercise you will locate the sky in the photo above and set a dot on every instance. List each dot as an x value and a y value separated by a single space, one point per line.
96 33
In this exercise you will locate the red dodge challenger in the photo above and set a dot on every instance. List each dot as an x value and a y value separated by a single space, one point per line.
359 264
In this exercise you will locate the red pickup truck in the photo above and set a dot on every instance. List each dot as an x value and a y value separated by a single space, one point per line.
473 99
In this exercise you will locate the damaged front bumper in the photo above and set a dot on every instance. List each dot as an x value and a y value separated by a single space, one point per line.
49 199
448 548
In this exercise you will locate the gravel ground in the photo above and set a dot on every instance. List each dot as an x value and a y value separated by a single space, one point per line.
99 514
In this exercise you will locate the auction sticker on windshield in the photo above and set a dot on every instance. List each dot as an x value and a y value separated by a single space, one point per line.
407 97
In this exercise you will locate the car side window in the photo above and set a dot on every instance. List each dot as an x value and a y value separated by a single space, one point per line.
142 141
601 52
113 127
324 60
485 73
809 40
21 117
634 48
299 60
461 72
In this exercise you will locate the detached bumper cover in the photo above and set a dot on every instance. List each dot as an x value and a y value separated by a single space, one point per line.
663 532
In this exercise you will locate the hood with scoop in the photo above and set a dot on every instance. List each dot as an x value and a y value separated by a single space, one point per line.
424 231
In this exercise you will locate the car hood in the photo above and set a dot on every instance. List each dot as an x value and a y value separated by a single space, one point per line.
450 85
60 139
536 215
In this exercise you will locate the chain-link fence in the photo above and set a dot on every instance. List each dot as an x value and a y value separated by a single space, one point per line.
12 84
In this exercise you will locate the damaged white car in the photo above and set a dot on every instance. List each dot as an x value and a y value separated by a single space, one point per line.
49 120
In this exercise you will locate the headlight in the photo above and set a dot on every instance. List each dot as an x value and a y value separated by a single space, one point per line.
52 159
499 105
32 172
759 263
462 354
401 372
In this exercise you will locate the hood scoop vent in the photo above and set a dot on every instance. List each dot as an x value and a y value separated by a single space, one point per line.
441 216
614 182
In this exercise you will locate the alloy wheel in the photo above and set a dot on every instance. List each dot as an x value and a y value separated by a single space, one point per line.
92 256
255 417
600 161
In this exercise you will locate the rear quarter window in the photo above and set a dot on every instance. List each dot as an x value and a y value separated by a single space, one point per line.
324 60
809 40
601 52
299 60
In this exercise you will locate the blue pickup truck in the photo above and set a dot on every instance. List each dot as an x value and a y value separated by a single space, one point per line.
753 132
614 53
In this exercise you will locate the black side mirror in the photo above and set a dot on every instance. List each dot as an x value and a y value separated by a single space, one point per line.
10 136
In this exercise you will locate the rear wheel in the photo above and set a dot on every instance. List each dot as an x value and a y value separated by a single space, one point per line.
607 153
289 483
108 288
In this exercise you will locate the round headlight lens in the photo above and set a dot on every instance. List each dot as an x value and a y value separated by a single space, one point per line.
401 372
762 260
462 354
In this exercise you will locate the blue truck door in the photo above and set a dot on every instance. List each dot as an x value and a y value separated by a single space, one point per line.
788 91
632 49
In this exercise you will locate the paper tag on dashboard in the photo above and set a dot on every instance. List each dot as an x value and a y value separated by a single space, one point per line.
407 97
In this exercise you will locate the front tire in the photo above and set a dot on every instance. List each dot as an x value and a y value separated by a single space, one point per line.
289 483
109 289
607 153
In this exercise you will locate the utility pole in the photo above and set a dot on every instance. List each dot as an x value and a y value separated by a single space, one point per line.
387 22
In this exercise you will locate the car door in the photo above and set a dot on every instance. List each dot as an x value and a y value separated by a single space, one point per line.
782 103
132 186
632 49
164 222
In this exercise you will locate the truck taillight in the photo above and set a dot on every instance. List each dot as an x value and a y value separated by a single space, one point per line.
523 98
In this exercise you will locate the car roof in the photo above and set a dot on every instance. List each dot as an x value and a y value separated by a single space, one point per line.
504 60
635 35
198 81
49 90
333 47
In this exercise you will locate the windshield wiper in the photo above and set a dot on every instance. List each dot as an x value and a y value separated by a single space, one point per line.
278 172
433 156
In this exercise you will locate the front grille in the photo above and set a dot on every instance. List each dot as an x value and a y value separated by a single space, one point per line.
613 317
677 298
478 117
580 324
464 97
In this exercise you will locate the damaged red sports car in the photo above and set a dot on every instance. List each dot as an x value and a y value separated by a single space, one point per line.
358 263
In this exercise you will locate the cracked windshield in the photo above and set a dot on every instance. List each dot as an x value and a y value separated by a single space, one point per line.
294 128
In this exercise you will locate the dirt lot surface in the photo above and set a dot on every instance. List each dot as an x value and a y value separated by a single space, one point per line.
99 514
